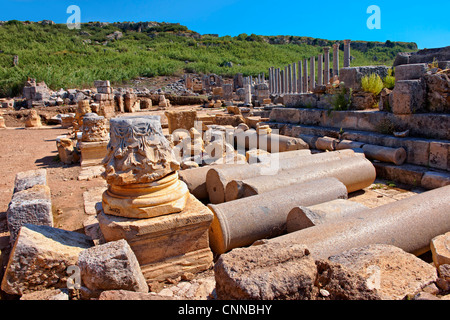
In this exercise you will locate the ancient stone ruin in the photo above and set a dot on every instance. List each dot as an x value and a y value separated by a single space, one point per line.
267 189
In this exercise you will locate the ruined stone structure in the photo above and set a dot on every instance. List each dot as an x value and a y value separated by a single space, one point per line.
94 139
144 193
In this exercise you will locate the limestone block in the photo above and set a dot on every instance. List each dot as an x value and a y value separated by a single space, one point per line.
166 246
2 123
40 258
107 90
410 71
181 119
439 155
440 249
94 128
408 97
131 295
406 173
48 294
92 153
265 272
66 151
32 206
352 76
433 180
393 272
27 179
102 83
33 120
111 266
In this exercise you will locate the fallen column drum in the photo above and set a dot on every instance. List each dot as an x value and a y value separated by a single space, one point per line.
409 224
218 179
304 217
241 222
355 173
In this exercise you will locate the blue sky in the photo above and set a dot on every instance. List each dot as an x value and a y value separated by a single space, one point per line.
423 22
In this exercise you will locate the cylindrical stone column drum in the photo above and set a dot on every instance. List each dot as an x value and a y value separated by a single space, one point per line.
304 217
355 173
409 224
241 222
385 154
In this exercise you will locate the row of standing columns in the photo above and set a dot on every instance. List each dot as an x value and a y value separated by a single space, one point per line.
294 78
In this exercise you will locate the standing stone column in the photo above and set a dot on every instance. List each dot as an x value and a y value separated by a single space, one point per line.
248 94
281 81
278 81
290 78
320 69
336 59
270 80
305 75
326 72
286 82
300 78
312 74
294 78
347 53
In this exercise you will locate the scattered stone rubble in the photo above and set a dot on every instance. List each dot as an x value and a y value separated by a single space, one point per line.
213 210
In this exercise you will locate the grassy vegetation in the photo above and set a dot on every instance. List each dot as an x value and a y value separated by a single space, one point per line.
66 58
372 83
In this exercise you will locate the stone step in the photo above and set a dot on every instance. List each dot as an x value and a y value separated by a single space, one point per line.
431 153
413 175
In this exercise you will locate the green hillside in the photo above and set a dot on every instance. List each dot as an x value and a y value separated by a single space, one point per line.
65 58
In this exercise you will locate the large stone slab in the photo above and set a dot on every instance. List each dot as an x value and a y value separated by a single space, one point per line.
32 206
352 76
165 246
408 97
410 71
27 179
111 266
40 257
265 272
393 272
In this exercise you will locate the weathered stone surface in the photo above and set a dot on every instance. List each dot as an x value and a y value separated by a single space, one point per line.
131 295
31 206
50 294
27 179
393 272
181 119
341 283
410 71
33 120
165 246
423 56
265 272
137 151
40 258
66 151
94 128
438 92
408 97
439 154
92 153
352 76
111 266
434 179
224 120
440 249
